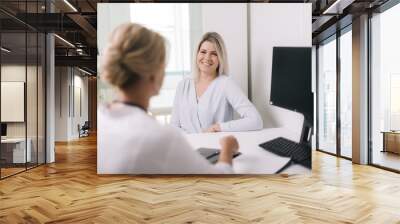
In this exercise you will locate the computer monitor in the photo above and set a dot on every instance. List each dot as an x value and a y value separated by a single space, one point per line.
291 83
3 129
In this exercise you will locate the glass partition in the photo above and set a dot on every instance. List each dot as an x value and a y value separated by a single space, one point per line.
22 91
346 93
14 152
385 89
327 96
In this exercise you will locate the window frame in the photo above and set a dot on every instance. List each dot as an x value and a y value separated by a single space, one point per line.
334 37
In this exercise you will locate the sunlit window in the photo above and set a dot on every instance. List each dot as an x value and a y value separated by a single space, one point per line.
395 101
346 94
172 22
385 84
327 97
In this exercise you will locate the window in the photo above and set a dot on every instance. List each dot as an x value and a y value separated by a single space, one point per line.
394 101
346 94
327 97
335 94
172 21
385 84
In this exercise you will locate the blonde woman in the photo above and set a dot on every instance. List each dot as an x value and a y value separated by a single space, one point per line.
206 102
129 140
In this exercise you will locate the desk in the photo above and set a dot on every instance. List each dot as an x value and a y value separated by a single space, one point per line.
254 159
391 141
16 148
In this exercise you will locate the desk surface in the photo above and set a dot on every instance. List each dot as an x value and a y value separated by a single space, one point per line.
13 140
390 132
254 159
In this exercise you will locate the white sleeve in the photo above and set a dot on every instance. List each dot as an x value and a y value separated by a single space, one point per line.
175 121
250 119
182 159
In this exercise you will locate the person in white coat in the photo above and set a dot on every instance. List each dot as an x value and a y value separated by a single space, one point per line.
206 102
129 140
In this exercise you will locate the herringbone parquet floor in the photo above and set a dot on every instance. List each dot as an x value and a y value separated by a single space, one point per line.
70 191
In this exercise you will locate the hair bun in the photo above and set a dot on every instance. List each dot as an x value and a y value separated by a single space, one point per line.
134 53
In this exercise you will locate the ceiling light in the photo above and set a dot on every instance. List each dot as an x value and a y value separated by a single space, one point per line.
326 11
64 40
5 50
84 71
70 5
338 6
79 51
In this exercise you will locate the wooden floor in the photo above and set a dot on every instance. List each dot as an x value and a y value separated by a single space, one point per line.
10 171
70 191
387 159
5 172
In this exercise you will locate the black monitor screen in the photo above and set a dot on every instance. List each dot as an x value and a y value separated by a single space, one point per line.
3 129
291 80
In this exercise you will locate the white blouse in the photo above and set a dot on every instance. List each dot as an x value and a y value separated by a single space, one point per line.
216 105
131 142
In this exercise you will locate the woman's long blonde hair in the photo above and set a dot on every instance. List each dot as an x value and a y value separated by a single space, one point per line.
216 39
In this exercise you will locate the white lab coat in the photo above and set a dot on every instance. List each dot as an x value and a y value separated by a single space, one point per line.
217 105
131 142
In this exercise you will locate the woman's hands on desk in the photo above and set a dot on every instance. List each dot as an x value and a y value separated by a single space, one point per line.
213 128
229 146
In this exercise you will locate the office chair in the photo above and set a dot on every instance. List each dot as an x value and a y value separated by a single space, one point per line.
84 130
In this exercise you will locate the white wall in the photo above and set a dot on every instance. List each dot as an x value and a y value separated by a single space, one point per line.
275 25
230 21
67 115
80 102
12 93
61 103
84 84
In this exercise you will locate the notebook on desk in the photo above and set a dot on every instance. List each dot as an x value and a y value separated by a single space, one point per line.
212 155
